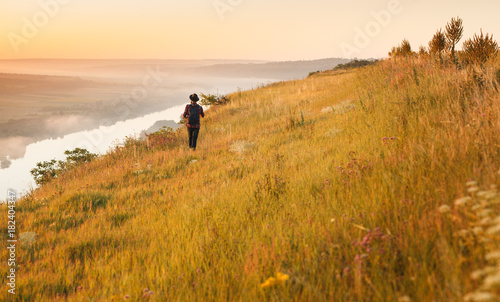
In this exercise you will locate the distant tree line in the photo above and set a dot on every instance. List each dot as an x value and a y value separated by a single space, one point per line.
355 63
350 65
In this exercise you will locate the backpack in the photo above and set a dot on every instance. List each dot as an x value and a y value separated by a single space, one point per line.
194 115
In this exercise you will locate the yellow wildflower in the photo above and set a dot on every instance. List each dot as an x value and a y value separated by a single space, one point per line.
280 277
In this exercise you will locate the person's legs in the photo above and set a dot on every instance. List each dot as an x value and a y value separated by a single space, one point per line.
194 137
190 134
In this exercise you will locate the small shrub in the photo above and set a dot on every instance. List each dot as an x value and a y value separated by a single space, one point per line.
480 49
402 50
454 32
438 43
162 137
294 122
48 170
405 48
78 156
395 51
211 100
131 141
422 51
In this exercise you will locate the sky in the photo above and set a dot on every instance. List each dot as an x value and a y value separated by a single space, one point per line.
276 30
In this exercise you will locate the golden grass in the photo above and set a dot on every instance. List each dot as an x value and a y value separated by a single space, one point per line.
345 199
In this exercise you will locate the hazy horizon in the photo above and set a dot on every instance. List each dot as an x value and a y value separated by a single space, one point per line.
230 29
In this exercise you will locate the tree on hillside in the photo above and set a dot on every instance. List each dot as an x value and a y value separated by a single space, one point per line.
438 44
405 48
480 49
454 32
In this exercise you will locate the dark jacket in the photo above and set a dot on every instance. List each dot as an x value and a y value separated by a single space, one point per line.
189 109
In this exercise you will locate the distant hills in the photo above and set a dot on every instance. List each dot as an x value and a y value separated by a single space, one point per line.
282 70
285 70
102 69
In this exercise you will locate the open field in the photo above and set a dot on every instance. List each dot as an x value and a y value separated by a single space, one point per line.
342 187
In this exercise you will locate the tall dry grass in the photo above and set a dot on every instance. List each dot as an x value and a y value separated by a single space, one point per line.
345 182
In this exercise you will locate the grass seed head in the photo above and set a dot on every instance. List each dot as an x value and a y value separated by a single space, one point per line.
479 297
444 209
462 201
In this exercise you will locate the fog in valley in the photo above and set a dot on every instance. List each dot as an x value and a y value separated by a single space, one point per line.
50 99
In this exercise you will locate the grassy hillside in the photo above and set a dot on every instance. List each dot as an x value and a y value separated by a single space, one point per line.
341 187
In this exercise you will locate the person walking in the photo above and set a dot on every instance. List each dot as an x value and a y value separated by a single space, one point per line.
192 113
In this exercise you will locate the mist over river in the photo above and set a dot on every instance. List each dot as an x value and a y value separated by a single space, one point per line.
50 106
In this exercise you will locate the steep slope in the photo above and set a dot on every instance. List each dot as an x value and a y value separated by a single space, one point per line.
344 181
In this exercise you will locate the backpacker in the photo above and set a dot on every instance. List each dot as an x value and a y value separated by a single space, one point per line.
194 115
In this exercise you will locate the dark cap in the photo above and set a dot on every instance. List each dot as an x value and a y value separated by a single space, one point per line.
194 97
